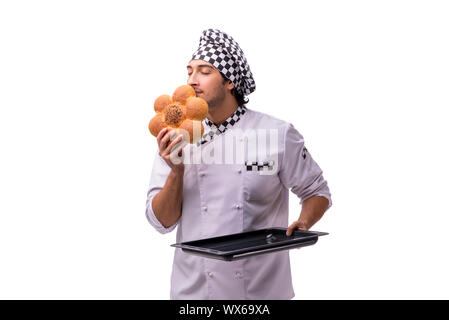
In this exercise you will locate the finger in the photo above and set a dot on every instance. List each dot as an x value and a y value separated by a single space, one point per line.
290 229
169 148
180 147
166 139
163 138
176 156
160 135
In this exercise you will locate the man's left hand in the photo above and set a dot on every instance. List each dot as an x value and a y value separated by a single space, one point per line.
297 225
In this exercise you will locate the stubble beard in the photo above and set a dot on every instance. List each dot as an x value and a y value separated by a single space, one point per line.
218 99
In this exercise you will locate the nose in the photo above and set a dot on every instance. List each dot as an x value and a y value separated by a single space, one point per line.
193 80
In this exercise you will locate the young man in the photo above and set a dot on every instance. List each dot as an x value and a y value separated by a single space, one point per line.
213 198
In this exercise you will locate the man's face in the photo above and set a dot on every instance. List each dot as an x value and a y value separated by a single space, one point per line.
207 82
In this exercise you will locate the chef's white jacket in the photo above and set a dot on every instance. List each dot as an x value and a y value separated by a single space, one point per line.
225 197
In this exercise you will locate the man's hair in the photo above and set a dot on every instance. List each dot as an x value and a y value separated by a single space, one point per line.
241 99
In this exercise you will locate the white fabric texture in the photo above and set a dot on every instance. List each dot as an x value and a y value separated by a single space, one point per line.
225 198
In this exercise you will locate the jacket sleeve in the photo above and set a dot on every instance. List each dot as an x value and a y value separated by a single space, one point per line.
159 176
298 171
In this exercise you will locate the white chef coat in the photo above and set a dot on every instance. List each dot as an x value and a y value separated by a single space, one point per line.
225 198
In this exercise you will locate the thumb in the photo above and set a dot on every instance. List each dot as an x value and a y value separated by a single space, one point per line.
290 229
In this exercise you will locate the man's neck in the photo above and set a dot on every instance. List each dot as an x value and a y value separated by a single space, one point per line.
220 113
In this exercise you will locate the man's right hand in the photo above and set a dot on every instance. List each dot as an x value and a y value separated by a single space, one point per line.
170 148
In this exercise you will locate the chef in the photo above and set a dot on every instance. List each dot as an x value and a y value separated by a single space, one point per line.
236 178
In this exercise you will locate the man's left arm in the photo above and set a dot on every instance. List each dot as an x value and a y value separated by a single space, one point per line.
312 210
302 175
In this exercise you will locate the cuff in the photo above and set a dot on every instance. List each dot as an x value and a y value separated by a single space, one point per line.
155 222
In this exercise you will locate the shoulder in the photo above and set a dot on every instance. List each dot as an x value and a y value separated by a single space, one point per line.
286 132
259 119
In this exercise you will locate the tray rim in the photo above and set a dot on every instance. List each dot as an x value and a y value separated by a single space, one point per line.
233 257
220 253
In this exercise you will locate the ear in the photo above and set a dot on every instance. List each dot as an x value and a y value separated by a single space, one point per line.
230 85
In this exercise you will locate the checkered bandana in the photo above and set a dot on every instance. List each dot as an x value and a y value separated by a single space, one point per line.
217 130
224 53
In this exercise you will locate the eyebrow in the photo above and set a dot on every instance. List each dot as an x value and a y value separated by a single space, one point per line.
201 66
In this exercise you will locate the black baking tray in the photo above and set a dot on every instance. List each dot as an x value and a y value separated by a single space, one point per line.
242 245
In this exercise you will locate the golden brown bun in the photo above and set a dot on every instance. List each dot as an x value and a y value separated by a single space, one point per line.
192 129
156 124
182 93
182 112
161 102
196 108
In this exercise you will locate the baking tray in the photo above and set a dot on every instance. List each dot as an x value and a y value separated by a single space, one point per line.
242 245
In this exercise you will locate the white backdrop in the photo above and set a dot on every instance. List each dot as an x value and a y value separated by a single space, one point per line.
365 82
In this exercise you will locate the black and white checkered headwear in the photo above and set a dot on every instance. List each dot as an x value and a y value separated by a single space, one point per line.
224 53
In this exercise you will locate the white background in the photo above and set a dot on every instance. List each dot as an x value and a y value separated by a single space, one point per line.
365 82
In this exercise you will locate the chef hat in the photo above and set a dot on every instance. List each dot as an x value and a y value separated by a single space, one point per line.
224 53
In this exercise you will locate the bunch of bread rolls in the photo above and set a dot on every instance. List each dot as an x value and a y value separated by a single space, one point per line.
183 112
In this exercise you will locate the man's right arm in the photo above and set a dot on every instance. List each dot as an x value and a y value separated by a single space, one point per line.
167 204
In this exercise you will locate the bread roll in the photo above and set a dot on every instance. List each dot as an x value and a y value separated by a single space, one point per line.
182 112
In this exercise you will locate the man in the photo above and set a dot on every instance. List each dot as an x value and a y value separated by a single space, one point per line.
213 198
